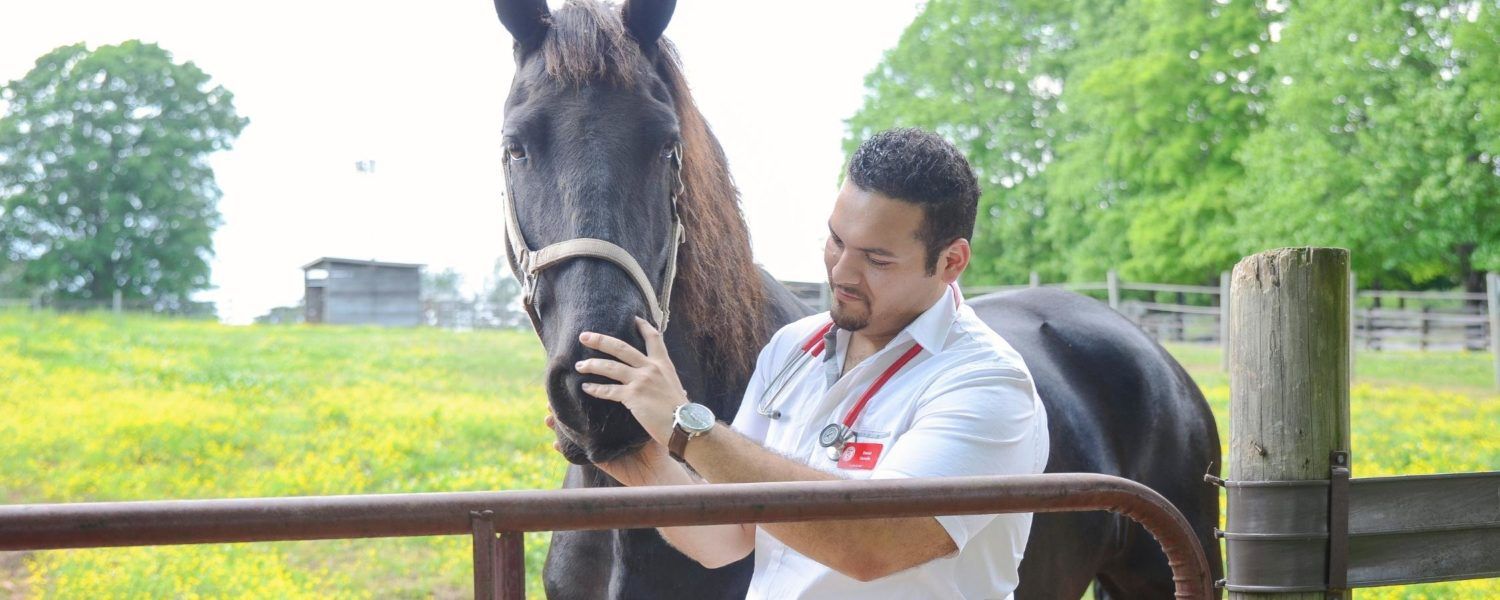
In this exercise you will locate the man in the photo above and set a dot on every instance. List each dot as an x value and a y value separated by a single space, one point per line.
904 382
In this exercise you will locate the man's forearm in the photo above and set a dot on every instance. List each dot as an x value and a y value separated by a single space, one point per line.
712 546
862 549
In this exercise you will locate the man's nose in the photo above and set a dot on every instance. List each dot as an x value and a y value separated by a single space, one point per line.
842 269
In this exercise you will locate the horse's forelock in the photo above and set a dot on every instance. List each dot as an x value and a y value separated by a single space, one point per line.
587 41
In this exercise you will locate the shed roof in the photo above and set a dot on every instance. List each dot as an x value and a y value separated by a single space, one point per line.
351 261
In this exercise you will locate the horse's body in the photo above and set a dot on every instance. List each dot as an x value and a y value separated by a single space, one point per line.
595 112
1117 404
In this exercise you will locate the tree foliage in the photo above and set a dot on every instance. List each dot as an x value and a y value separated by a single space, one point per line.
1376 140
105 183
1168 138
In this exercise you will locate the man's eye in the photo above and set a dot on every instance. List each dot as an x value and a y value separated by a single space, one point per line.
880 263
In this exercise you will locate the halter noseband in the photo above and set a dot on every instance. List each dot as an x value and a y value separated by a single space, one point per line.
529 263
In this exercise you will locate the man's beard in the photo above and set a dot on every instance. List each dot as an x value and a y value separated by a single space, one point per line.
849 320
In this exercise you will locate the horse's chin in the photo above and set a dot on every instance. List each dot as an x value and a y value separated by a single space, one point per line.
573 452
610 454
577 455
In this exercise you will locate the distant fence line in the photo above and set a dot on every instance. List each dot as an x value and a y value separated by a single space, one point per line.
447 314
116 304
1379 319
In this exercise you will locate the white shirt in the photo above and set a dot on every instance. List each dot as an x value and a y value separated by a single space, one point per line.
964 405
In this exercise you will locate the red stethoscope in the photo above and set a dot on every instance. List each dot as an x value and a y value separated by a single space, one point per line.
834 436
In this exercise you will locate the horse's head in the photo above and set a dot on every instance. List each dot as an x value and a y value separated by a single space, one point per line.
592 152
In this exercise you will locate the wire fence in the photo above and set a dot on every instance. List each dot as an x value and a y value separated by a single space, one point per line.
1453 320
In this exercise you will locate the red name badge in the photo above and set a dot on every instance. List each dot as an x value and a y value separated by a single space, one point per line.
860 455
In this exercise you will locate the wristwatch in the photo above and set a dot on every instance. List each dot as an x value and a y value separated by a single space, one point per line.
689 421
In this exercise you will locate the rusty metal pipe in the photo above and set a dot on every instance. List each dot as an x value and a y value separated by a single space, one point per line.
149 523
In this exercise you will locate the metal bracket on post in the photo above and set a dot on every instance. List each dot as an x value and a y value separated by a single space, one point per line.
1338 525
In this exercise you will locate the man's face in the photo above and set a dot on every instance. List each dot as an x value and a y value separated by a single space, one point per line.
877 268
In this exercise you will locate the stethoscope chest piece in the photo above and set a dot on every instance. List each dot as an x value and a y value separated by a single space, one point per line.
833 438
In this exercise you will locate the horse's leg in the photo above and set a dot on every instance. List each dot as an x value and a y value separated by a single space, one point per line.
1106 588
1142 570
1063 554
579 563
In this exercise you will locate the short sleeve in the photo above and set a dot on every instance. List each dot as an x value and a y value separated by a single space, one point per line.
748 421
983 420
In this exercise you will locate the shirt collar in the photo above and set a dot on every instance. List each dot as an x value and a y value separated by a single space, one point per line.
930 329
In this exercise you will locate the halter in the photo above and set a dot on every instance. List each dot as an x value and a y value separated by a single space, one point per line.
529 263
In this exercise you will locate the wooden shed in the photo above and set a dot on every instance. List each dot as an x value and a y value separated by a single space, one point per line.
362 292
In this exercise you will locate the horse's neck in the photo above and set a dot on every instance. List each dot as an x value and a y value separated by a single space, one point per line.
693 355
779 307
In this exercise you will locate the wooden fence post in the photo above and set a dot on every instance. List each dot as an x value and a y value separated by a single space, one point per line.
1036 279
1112 283
118 302
1492 297
1424 326
1224 321
1181 318
1288 369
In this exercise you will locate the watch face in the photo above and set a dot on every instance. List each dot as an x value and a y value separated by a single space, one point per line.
695 417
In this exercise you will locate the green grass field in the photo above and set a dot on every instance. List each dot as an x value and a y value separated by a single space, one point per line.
131 408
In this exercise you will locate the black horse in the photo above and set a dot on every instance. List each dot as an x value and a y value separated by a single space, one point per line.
603 142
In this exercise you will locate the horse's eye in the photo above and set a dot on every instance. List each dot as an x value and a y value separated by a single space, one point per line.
515 152
669 152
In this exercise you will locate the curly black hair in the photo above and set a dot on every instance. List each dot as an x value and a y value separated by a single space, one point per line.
919 167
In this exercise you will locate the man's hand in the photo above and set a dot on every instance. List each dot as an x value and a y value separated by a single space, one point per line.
648 383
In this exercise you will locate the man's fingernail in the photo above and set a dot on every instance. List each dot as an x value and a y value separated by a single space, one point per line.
588 386
578 365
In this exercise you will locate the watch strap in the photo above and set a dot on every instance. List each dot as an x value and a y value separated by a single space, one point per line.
677 444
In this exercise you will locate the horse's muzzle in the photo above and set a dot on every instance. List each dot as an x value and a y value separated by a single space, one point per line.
591 430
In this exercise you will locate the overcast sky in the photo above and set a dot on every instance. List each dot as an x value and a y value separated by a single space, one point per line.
418 87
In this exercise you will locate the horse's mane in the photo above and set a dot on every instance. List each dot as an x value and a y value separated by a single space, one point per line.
718 285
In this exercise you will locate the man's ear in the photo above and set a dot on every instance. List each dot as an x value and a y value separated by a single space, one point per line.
953 260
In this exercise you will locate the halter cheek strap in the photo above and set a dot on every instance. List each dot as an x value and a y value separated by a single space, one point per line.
528 264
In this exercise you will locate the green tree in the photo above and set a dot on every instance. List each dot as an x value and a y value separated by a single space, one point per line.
1378 141
104 177
1160 101
988 75
1104 133
1170 138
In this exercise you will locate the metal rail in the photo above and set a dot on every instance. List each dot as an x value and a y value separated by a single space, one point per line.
148 523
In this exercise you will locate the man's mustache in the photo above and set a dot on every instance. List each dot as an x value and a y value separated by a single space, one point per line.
848 290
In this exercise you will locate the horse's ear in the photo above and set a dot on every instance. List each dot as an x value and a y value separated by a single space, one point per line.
525 19
646 19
